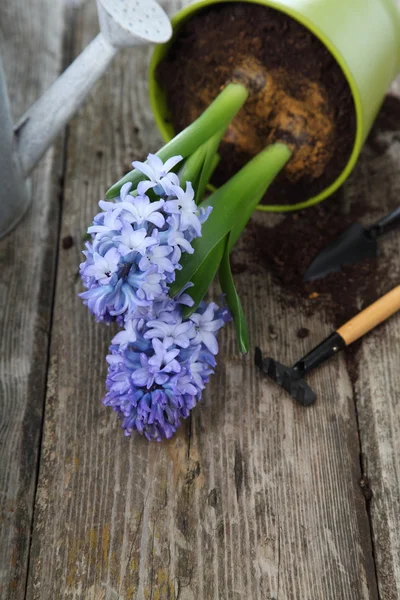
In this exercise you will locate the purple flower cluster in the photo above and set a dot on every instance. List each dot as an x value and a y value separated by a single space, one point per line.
137 244
158 367
160 362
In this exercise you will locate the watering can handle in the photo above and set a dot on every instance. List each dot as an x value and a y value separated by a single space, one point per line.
43 121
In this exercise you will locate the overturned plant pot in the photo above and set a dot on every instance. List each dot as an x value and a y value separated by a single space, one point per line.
315 79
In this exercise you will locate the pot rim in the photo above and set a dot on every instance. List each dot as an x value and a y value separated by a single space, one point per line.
157 97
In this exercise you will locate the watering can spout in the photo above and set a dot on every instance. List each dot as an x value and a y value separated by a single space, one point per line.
125 23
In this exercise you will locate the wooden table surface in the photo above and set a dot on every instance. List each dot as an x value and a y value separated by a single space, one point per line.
255 498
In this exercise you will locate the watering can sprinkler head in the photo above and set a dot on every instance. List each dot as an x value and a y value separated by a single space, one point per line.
123 24
126 23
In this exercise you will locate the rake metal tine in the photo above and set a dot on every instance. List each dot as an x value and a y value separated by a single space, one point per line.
258 358
287 382
272 370
287 378
301 394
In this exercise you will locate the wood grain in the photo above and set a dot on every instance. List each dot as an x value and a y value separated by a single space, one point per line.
255 497
377 375
30 42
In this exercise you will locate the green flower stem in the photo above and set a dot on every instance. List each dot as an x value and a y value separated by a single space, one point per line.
215 118
232 298
215 163
200 165
210 163
192 168
276 156
203 277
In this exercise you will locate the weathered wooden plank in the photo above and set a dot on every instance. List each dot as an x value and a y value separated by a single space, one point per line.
377 381
30 42
254 498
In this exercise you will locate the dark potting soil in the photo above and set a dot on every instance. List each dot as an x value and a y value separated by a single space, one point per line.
298 93
286 250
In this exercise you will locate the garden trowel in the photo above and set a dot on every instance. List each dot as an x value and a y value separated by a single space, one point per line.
352 246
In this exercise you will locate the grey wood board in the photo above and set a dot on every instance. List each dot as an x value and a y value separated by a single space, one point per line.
30 43
377 387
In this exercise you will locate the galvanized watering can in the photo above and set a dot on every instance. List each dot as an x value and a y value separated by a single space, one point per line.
123 23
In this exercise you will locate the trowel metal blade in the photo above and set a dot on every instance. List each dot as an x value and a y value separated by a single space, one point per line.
353 246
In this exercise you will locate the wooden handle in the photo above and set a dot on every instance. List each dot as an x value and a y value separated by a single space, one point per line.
372 316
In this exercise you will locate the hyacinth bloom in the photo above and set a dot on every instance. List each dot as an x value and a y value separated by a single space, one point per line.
158 173
159 368
136 244
160 362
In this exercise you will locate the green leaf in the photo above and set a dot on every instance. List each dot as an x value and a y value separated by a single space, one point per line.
210 162
203 277
239 196
233 300
214 165
215 118
199 167
193 167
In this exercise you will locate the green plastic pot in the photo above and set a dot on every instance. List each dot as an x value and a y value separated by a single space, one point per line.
362 35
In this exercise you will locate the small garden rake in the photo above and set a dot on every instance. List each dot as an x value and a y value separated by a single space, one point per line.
292 378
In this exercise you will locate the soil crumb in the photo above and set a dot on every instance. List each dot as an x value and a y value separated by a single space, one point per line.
303 333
